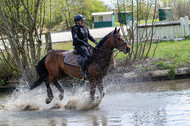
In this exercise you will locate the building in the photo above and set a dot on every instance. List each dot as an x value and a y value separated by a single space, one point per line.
165 14
103 19
124 17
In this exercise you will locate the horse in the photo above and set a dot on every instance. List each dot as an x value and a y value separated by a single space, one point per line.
52 68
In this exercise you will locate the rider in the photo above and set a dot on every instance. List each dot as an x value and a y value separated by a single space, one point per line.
80 35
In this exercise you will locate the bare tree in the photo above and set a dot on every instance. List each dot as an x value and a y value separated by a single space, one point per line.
20 25
181 8
140 41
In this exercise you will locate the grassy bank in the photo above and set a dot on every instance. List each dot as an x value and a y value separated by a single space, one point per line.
173 53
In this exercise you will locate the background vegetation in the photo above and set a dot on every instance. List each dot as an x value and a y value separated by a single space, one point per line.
23 22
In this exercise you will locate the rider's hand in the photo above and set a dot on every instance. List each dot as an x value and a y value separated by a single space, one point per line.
96 42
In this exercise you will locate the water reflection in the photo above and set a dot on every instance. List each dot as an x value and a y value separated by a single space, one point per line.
163 103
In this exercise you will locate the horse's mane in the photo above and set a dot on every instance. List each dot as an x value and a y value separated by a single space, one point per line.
103 40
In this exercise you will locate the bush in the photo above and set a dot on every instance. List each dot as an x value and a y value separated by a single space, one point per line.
162 65
172 73
6 73
181 8
55 21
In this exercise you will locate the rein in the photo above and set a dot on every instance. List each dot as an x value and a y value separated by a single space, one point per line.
105 50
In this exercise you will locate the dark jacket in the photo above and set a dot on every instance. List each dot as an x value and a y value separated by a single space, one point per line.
81 35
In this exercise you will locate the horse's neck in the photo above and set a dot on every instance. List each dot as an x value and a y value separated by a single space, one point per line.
103 55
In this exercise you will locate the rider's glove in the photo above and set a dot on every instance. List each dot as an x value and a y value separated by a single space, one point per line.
96 42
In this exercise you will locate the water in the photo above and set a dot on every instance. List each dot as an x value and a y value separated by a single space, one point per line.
162 103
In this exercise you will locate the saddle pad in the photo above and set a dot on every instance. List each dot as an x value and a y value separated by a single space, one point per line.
71 59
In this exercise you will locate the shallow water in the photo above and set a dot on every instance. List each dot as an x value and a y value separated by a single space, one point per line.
162 103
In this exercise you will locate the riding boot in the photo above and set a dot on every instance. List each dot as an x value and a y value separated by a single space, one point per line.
84 67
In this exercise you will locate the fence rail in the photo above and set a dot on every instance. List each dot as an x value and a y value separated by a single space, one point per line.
163 31
159 31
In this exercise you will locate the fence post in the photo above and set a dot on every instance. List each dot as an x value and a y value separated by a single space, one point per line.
182 26
187 25
48 42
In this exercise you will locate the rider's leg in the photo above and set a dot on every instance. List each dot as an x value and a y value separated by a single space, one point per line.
85 63
84 66
83 50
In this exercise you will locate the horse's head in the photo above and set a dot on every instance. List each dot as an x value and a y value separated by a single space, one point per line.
119 42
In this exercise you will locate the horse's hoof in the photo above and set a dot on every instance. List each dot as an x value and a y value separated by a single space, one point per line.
61 96
102 95
48 100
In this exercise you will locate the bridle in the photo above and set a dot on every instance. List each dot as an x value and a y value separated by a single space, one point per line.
116 44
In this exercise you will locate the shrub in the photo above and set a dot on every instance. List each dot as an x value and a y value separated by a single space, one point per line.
6 73
172 73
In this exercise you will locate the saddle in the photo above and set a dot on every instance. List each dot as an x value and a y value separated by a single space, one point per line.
73 58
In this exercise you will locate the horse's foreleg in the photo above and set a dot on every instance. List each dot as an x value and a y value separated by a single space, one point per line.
101 88
49 93
92 90
58 86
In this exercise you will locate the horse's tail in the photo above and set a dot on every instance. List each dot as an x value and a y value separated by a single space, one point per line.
42 73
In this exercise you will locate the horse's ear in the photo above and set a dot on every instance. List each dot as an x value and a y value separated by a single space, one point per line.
115 31
118 30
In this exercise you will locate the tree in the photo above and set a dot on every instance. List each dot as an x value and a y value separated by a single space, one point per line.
181 8
65 10
21 25
141 9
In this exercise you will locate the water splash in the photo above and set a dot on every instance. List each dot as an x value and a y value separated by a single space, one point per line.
82 102
23 99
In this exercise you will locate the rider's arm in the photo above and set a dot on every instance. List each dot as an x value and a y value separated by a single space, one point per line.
91 38
76 39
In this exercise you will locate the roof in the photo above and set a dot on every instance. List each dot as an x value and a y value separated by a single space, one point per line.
125 12
165 8
103 13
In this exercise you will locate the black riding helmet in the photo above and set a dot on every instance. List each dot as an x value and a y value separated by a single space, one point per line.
79 17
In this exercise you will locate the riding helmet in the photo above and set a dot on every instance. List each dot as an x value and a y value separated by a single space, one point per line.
79 17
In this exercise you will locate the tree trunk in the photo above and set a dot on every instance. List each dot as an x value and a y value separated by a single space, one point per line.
48 42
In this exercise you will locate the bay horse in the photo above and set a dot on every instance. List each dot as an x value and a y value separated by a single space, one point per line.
51 68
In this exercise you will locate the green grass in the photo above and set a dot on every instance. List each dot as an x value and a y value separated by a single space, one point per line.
141 22
177 52
149 21
67 45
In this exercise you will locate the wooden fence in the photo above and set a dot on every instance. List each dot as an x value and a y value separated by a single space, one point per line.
163 31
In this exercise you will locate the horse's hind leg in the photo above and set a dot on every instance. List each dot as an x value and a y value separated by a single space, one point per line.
49 93
58 86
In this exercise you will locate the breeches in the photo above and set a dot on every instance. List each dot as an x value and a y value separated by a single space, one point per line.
83 50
